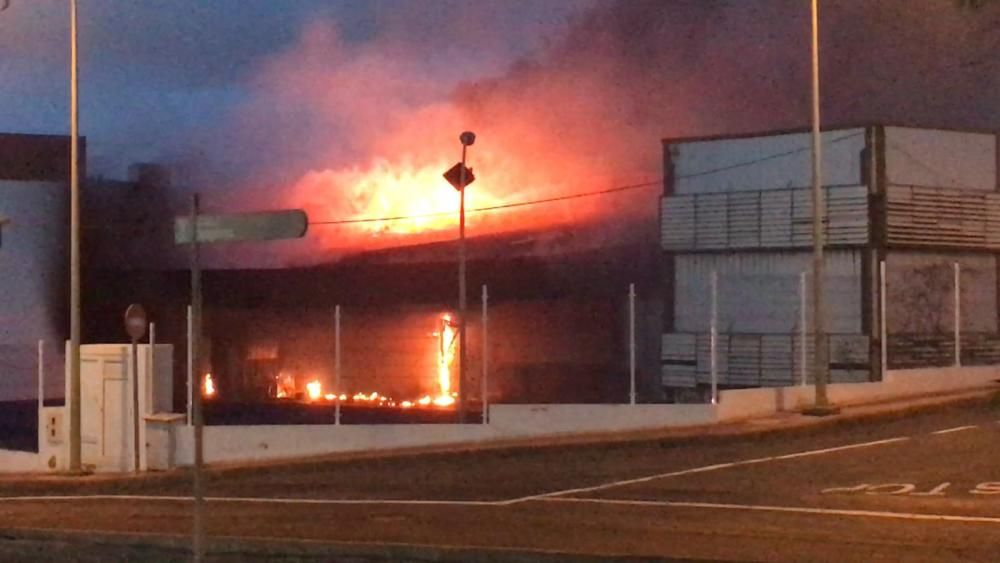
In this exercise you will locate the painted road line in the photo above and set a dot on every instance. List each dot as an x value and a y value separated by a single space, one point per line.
704 469
789 509
254 500
956 429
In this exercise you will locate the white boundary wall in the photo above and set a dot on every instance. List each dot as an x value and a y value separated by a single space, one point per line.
18 462
232 444
507 422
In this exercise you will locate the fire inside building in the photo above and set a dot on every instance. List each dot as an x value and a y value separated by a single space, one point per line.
734 209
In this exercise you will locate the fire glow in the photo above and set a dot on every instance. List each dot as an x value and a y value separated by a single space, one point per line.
208 388
447 343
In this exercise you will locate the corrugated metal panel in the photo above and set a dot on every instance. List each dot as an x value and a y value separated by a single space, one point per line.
761 219
943 217
759 360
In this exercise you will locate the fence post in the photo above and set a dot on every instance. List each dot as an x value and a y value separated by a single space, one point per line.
337 364
884 323
803 352
41 377
486 358
958 316
190 365
713 337
631 343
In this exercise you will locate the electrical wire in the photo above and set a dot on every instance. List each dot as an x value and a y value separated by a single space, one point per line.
613 190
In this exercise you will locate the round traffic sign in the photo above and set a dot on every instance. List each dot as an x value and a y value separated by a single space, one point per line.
135 321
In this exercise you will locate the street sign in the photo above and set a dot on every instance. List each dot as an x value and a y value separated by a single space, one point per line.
135 321
454 176
268 225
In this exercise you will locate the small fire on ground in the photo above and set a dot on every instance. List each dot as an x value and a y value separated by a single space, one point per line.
285 384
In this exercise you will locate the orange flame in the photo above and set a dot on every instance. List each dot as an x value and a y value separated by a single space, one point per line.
314 390
208 388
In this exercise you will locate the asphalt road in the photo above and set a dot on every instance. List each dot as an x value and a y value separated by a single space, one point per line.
925 487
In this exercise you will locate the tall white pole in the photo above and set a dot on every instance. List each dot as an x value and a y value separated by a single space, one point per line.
958 315
820 364
74 249
883 298
190 366
486 359
337 364
631 343
803 322
713 338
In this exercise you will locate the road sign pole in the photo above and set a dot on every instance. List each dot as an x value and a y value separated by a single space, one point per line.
134 352
198 541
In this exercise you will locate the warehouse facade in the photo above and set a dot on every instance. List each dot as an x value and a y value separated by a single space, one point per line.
740 208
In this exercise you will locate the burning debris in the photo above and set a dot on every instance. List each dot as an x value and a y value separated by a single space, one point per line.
286 387
208 387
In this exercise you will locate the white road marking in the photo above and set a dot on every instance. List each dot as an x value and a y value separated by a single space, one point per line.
790 509
253 500
707 468
956 429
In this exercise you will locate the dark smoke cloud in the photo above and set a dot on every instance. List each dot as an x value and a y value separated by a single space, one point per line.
588 108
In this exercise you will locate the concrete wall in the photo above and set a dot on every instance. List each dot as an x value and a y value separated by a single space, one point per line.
18 462
257 443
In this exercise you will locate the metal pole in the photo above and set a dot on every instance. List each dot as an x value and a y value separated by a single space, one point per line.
151 369
190 366
198 541
713 337
461 292
819 325
884 322
41 378
74 249
486 359
134 350
631 343
958 315
803 351
336 352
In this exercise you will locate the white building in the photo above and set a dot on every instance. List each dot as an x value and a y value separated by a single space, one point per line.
741 206
34 198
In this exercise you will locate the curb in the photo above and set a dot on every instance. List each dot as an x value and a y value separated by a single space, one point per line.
178 548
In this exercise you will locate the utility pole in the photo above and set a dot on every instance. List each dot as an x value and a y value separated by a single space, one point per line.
820 365
74 249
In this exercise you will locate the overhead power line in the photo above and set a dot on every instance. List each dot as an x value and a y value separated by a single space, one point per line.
613 190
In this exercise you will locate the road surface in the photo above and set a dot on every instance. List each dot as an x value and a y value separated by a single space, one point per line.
925 487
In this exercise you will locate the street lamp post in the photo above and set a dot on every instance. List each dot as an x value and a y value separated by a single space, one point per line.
74 251
467 138
820 364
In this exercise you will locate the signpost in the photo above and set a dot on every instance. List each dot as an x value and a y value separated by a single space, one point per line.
135 326
194 230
